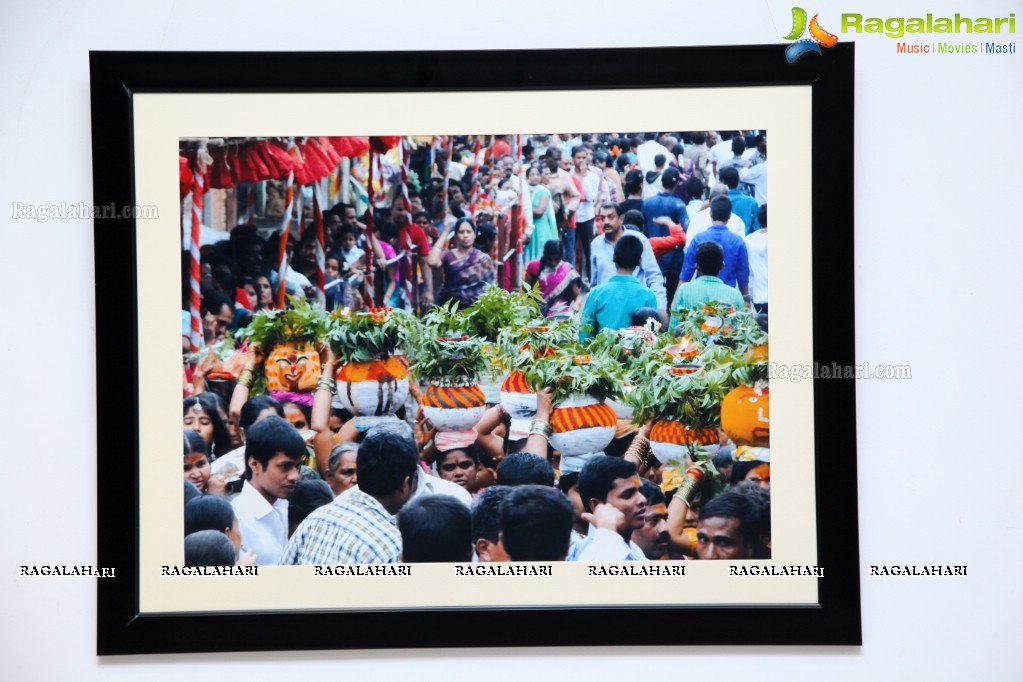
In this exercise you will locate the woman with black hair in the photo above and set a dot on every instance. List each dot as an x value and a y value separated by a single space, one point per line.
602 160
460 466
209 548
560 284
467 270
753 470
633 188
202 414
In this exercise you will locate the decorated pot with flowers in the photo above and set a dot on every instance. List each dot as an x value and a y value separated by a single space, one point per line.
220 364
454 400
449 362
291 368
746 408
581 427
493 313
373 388
680 396
580 379
454 408
520 348
372 376
672 441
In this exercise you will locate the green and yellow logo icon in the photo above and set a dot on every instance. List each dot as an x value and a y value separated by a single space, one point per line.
818 36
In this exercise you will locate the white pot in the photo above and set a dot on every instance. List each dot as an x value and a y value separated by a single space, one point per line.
457 419
519 405
371 398
583 441
673 452
492 389
453 418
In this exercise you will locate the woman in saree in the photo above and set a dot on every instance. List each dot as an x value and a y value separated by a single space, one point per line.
545 226
467 270
560 284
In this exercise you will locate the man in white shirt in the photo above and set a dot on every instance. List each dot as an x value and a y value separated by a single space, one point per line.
648 150
614 506
721 152
756 176
756 247
274 453
585 212
700 220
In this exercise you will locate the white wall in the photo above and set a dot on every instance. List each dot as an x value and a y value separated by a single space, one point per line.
937 157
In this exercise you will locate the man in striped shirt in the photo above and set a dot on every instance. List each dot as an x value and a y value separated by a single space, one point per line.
359 527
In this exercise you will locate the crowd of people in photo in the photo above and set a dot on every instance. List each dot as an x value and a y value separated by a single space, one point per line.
615 229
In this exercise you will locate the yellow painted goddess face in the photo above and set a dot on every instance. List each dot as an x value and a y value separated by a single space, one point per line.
292 367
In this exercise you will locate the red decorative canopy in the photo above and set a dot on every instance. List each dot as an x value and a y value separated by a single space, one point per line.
255 160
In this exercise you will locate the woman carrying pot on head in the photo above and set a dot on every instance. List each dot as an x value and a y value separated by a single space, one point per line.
467 270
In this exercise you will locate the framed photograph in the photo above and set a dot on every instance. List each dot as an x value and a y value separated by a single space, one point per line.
150 109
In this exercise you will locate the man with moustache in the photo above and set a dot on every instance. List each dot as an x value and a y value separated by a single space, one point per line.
653 537
615 509
602 249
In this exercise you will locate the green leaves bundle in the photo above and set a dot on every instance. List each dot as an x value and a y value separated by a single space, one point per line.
363 336
738 328
496 310
442 351
303 322
692 399
521 345
574 369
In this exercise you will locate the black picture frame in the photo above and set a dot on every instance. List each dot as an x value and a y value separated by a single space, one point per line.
117 76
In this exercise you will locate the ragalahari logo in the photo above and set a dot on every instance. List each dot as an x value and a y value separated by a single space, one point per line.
818 36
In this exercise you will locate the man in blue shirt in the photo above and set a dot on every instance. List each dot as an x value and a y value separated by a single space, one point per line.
743 205
735 272
666 204
602 267
610 305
